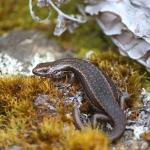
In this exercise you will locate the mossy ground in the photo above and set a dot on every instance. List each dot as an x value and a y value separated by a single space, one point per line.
21 124
24 125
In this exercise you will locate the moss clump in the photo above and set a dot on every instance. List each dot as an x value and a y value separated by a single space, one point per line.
53 134
22 125
87 139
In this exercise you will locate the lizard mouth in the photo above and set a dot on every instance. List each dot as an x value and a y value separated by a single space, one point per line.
41 72
37 72
34 71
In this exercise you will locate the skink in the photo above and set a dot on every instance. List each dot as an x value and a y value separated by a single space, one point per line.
100 90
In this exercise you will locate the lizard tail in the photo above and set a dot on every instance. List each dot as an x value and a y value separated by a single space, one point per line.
119 127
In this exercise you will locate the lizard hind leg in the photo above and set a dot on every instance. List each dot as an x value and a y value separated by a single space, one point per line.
80 120
98 117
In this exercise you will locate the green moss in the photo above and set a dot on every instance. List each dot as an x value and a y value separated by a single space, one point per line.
71 7
88 37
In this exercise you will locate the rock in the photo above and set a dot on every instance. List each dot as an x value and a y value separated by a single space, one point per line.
44 105
26 48
130 31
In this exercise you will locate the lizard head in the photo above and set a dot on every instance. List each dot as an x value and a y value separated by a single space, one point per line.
49 69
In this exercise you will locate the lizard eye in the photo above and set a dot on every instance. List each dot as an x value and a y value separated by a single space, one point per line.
55 72
45 71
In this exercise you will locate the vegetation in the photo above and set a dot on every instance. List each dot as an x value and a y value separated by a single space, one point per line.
15 14
24 125
28 127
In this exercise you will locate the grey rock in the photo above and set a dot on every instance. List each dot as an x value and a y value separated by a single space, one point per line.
27 48
44 104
